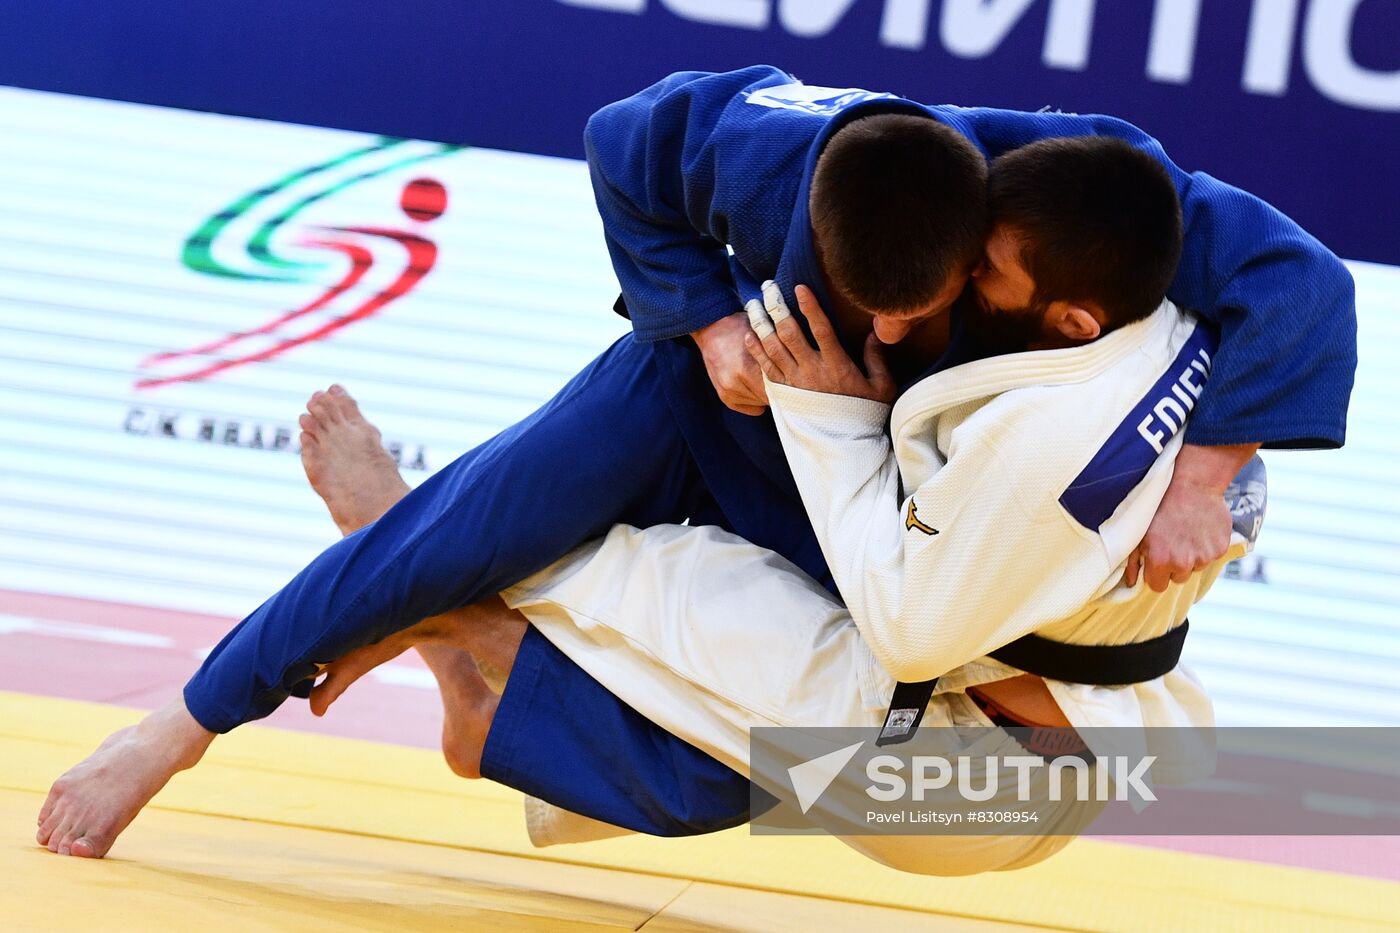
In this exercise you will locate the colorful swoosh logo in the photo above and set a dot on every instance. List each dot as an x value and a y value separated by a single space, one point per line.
213 247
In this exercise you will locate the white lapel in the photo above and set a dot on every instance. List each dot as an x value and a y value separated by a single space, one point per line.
926 400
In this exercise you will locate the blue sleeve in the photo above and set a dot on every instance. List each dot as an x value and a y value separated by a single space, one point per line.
653 161
1284 304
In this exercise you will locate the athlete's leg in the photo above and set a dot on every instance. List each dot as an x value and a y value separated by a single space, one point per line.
707 634
605 449
564 714
558 735
762 645
704 633
613 765
347 465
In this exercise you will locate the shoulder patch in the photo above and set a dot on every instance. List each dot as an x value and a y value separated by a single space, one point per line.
807 98
1132 448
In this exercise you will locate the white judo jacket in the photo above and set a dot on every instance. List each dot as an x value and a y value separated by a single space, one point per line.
1005 500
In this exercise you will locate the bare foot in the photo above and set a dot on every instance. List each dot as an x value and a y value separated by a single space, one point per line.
472 664
346 462
468 706
448 643
96 799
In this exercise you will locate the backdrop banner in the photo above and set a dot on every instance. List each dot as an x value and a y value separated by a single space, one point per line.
1295 100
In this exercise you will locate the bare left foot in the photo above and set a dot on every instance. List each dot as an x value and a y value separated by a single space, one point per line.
90 805
468 706
467 702
487 631
346 462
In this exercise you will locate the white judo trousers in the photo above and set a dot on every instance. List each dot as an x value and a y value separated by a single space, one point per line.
710 636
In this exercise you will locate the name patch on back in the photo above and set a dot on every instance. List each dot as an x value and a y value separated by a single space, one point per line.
1140 439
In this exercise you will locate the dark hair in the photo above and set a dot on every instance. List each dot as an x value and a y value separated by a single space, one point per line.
1099 222
899 203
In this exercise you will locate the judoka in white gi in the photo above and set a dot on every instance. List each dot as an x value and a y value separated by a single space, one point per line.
1005 499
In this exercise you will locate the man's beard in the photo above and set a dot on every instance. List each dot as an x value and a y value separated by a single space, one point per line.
999 332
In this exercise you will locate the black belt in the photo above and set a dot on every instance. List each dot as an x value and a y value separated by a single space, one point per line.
1099 665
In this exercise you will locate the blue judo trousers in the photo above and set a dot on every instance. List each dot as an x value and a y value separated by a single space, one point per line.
702 182
606 449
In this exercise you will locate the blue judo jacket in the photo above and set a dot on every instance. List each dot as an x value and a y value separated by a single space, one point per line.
701 164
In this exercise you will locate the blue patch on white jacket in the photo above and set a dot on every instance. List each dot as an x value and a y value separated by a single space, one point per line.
1139 440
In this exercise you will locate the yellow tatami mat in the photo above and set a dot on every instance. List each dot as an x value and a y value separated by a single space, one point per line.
282 830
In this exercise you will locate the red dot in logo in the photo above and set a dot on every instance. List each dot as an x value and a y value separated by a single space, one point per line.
423 199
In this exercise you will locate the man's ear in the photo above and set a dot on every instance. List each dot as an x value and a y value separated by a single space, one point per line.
1074 323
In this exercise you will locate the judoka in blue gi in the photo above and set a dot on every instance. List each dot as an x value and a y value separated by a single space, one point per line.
686 168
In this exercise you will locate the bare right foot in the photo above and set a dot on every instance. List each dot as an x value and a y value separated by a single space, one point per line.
90 805
346 462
